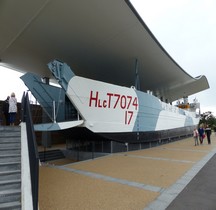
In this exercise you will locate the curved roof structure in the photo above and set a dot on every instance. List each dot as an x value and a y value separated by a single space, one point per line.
99 39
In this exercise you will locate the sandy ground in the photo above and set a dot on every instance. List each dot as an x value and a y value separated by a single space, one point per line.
64 190
148 171
161 166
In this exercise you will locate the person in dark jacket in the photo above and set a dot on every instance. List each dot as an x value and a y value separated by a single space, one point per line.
208 134
6 111
201 133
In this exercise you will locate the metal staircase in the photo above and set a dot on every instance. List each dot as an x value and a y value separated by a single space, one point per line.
10 168
51 155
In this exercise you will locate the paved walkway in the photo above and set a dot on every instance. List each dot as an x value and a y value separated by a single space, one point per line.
200 193
178 175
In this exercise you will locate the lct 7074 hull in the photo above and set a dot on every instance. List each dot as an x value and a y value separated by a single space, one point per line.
121 113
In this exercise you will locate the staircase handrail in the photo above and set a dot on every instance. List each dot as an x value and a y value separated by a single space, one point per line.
32 149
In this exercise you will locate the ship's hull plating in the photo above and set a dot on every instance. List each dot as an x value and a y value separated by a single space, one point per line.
81 133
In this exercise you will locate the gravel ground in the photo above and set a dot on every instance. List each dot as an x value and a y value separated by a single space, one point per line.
161 166
62 190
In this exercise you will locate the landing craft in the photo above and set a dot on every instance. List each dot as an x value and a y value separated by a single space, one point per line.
115 112
101 40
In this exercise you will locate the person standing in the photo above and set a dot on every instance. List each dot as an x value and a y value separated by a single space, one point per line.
12 108
208 134
195 135
5 110
201 133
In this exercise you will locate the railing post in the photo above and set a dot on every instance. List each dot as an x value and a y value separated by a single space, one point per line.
23 109
54 114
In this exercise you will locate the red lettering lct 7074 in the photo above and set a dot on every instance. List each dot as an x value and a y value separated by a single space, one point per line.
113 101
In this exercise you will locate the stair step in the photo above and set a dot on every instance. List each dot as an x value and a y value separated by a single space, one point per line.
10 166
51 155
10 184
10 195
10 128
10 158
10 145
9 155
10 134
42 159
10 175
13 139
10 151
10 206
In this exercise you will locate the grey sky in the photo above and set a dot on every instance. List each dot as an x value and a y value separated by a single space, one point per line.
10 82
187 31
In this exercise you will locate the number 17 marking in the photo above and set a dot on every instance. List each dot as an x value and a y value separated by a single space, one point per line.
128 117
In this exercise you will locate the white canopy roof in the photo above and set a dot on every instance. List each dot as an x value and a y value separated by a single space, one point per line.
99 39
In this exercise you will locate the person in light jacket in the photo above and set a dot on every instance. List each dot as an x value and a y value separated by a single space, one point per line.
12 108
195 135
